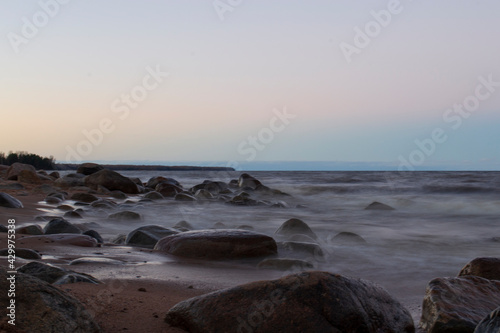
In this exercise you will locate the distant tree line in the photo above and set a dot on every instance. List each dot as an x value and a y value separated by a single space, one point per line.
39 162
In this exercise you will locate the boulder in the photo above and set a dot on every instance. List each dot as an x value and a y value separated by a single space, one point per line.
218 244
148 235
22 253
94 234
112 181
41 307
55 275
347 238
60 226
33 229
490 324
378 206
9 201
304 302
72 215
246 180
50 200
118 195
285 264
29 177
84 197
488 268
295 226
167 189
153 195
125 215
70 180
89 168
16 168
458 304
153 182
55 175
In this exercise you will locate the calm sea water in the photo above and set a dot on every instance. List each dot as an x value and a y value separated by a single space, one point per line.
440 222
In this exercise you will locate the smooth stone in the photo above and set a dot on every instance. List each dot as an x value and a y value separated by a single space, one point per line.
73 215
488 268
41 307
125 215
218 244
94 234
60 226
184 224
9 201
295 226
84 197
305 302
148 235
118 195
348 238
378 206
52 200
22 253
65 208
458 304
33 229
284 264
153 195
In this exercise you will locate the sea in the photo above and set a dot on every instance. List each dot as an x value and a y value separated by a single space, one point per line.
440 221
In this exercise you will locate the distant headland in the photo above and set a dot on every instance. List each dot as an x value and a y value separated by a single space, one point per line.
130 167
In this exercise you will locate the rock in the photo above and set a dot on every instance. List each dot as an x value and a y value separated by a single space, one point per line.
148 235
184 197
33 229
12 186
212 187
68 239
203 195
65 208
310 249
9 201
243 200
220 225
301 238
295 226
22 253
52 200
72 215
94 234
55 275
458 304
55 175
89 168
304 302
218 244
70 180
378 206
15 169
285 264
153 195
184 224
167 189
41 307
488 268
60 195
60 226
153 182
125 215
112 181
246 180
3 228
118 195
105 204
120 239
490 324
348 238
29 177
84 197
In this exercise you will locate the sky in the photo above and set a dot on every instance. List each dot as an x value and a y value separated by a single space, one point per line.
405 85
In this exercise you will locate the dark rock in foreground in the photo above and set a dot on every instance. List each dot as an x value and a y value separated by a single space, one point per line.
488 268
305 302
111 180
41 307
9 201
458 304
22 253
218 244
490 324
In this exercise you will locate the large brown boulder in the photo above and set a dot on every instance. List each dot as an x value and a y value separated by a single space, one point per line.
40 307
488 268
458 304
112 181
305 302
30 177
14 170
89 168
218 244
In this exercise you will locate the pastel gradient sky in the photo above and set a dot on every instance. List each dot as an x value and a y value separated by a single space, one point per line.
233 69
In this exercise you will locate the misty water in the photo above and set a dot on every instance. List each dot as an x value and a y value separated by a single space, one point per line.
441 220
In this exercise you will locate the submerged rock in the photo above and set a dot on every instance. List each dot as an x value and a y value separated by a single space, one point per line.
348 238
168 189
9 201
218 244
378 206
305 248
305 302
184 197
488 268
153 195
41 307
125 215
295 226
458 304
